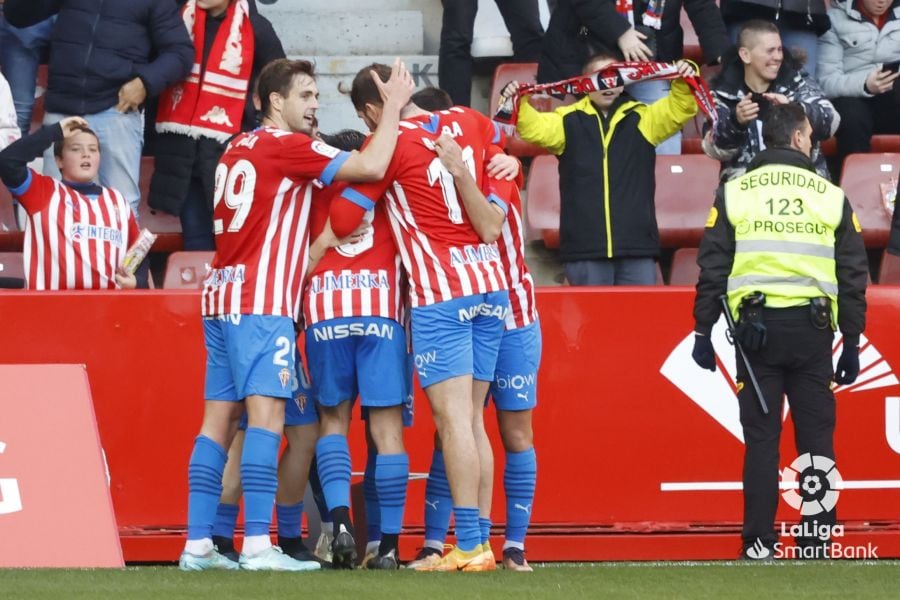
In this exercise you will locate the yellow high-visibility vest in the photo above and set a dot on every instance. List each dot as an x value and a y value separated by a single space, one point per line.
784 221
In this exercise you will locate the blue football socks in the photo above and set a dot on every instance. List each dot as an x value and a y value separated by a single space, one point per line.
205 486
370 493
259 476
519 479
438 502
333 457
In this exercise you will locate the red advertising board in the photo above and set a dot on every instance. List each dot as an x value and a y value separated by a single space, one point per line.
639 450
55 509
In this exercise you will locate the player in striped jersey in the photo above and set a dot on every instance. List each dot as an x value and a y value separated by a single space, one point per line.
251 298
356 346
515 380
77 232
457 287
514 393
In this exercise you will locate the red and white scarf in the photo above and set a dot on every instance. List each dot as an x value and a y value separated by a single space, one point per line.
613 76
212 105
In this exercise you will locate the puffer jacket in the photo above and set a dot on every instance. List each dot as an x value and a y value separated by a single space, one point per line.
736 145
99 45
853 47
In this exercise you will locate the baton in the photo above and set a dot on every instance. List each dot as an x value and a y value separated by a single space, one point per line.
730 320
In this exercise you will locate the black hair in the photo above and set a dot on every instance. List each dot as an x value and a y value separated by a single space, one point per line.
345 139
432 98
780 124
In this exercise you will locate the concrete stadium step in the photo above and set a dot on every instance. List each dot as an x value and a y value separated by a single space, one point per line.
281 10
359 32
334 73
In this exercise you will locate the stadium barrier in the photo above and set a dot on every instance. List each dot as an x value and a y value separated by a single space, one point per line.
55 506
639 450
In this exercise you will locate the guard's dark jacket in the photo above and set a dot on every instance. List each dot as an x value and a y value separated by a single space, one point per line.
717 248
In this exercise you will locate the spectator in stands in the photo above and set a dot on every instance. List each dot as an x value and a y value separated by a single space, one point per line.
800 23
855 73
650 31
77 232
9 131
233 42
522 18
758 74
606 147
106 59
21 53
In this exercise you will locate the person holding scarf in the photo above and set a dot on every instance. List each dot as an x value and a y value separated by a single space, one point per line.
643 30
606 147
197 116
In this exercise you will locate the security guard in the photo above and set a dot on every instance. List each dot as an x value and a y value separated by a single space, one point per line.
785 246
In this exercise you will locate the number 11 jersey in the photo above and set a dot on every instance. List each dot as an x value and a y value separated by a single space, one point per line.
264 184
440 250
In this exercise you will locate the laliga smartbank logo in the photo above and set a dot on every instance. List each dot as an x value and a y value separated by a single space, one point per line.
812 485
819 484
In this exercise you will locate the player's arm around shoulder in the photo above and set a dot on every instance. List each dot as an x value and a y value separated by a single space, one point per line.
668 115
372 163
486 214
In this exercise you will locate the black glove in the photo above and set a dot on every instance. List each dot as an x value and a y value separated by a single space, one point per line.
848 365
751 335
703 353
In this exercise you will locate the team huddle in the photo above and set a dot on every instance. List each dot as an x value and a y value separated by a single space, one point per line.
412 236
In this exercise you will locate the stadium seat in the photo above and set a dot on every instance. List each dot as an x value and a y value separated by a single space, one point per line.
861 180
889 273
880 143
187 270
543 199
685 270
685 191
523 73
166 226
692 135
12 265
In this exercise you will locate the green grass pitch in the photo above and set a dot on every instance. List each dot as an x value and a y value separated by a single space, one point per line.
607 580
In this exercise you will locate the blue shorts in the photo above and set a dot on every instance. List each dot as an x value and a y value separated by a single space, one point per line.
409 399
515 380
358 356
459 337
247 355
301 409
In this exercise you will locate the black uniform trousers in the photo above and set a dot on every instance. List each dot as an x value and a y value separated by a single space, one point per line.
796 361
522 19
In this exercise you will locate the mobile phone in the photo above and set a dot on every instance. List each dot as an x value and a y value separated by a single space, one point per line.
763 104
893 66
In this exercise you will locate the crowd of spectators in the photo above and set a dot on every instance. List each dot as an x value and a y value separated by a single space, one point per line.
109 61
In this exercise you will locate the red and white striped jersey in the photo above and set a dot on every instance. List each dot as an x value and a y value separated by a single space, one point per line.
441 252
523 309
264 185
73 241
363 279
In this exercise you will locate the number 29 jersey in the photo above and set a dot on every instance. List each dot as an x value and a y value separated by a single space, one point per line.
440 250
264 185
